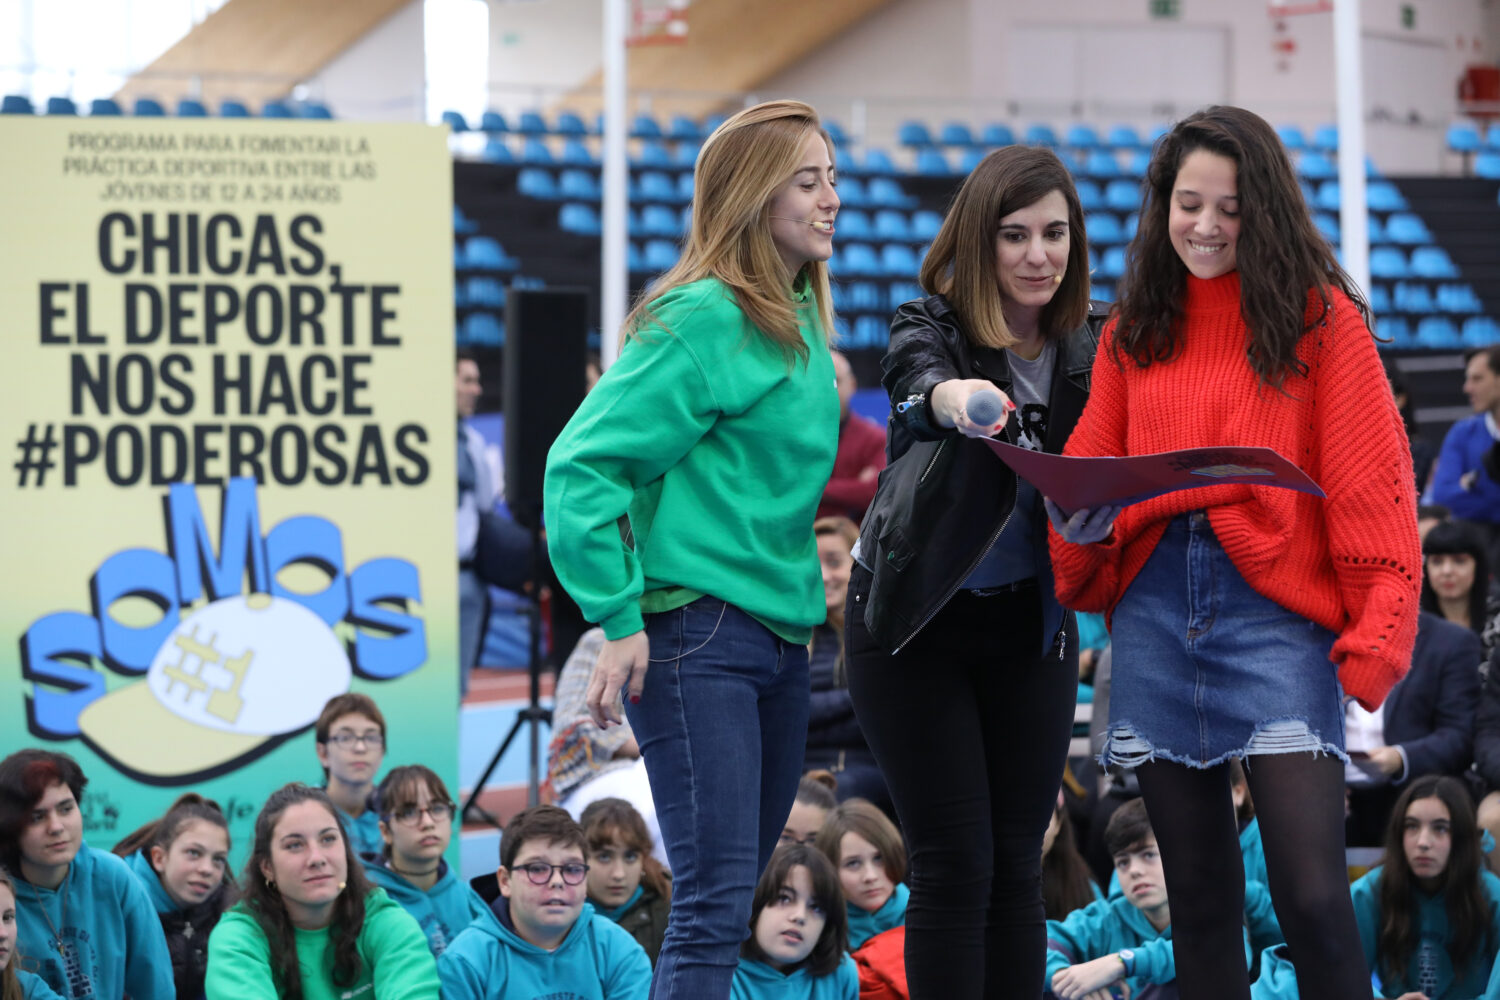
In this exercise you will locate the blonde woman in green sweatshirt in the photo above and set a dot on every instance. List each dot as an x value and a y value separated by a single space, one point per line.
715 432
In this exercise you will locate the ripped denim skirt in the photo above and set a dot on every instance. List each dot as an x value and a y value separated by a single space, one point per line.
1205 669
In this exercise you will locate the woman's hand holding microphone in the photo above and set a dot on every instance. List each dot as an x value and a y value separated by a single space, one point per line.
950 406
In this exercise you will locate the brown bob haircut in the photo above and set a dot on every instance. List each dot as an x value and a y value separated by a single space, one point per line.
863 818
827 894
549 824
961 264
351 703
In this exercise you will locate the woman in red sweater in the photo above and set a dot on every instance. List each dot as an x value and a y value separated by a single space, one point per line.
1243 616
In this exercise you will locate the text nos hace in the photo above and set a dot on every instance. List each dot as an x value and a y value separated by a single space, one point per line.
234 650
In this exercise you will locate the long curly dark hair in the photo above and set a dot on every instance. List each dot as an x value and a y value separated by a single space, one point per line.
263 900
1282 258
1463 896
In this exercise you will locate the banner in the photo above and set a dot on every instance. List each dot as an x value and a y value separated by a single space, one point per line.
227 396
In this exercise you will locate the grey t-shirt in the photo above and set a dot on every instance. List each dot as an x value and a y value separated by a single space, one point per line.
1013 556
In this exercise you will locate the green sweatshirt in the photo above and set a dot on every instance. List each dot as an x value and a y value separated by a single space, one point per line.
396 964
719 449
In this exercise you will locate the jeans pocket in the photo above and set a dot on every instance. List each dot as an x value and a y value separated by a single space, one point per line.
694 627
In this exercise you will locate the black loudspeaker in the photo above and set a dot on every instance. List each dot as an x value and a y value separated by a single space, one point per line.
546 351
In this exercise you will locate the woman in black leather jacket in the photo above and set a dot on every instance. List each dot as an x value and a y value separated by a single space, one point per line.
961 662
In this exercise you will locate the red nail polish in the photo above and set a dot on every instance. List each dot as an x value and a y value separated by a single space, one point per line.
635 699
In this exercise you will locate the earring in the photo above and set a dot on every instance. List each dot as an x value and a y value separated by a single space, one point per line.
270 885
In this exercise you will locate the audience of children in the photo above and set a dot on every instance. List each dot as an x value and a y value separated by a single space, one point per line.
816 798
1244 815
416 821
541 937
798 933
351 746
868 854
182 861
86 926
310 925
626 883
1067 883
15 983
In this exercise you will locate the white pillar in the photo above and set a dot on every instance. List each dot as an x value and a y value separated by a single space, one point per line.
615 279
1354 225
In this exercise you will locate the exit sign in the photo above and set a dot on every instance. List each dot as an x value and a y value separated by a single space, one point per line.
1165 9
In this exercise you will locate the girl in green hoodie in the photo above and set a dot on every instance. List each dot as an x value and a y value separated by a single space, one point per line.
311 926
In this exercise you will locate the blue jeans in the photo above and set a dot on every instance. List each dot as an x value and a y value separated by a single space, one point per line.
722 723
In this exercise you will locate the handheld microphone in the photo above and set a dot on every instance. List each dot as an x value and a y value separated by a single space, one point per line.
823 226
985 407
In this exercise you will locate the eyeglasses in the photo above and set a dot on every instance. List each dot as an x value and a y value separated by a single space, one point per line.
540 873
373 740
412 815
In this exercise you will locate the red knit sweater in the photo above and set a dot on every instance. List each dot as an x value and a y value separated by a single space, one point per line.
1350 562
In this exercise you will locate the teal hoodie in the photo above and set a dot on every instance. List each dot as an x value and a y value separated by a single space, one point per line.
864 925
1253 853
442 911
758 981
113 939
35 988
1103 928
1432 921
364 832
597 960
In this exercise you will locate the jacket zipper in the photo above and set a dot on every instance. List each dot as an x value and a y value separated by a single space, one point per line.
932 461
1014 492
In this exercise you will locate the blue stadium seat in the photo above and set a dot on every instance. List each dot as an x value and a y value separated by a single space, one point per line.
1102 163
1457 299
313 109
869 333
189 108
496 151
712 122
1487 165
1040 135
932 163
1413 297
1081 136
683 127
579 185
532 123
1375 230
569 123
486 254
1432 262
536 183
913 133
684 190
885 192
233 109
956 134
892 225
104 106
16 104
1492 138
1112 263
1132 223
834 129
686 154
1291 137
1122 195
853 223
659 254
852 191
1157 131
864 295
652 154
1316 166
970 158
1137 164
146 107
1104 229
576 153
486 292
1395 329
635 261
1403 227
1089 195
61 106
900 292
1327 225
1383 196
925 225
878 161
1325 138
1380 299
1438 331
1480 331
660 220
535 151
846 163
1124 137
270 109
1329 197
462 224
652 185
997 134
645 127
859 259
1463 138
493 121
1388 262
482 330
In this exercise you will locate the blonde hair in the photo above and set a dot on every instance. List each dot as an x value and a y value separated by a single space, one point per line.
961 264
741 167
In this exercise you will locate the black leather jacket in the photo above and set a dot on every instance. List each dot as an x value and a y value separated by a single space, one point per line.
943 498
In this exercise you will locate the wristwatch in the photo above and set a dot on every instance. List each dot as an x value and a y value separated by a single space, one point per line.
1127 959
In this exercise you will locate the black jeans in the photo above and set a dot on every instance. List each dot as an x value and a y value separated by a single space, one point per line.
972 733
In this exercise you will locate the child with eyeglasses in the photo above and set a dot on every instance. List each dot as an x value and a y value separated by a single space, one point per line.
416 821
351 748
541 937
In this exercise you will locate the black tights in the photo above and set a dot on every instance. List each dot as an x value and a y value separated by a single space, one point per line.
1299 800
